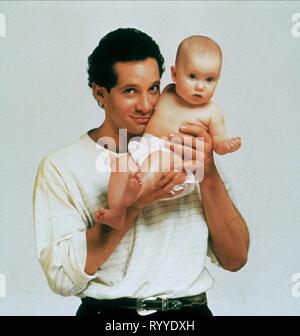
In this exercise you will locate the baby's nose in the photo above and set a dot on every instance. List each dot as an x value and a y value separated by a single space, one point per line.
200 85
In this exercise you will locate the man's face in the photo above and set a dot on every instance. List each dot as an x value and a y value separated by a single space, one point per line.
196 77
130 103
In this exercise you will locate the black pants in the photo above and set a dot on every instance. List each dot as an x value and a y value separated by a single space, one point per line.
86 309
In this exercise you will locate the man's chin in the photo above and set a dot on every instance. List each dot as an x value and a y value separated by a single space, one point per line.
137 131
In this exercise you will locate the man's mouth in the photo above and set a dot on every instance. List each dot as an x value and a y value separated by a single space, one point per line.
142 119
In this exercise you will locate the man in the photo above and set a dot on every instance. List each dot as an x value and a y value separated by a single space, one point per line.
156 262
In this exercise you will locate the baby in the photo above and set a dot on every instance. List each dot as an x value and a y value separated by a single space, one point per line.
187 100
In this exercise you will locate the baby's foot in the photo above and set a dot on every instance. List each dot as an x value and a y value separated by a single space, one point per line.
114 218
132 189
228 146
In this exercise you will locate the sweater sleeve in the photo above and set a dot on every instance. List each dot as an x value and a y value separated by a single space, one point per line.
60 232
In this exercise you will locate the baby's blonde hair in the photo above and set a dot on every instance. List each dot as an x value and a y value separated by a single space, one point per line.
199 43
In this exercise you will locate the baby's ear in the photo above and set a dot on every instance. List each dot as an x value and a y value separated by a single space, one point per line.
173 73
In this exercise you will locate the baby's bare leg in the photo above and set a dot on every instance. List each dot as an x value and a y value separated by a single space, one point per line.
123 190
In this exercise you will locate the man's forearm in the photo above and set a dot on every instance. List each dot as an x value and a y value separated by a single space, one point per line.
102 240
228 230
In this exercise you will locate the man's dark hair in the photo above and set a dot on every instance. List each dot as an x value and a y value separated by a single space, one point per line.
121 45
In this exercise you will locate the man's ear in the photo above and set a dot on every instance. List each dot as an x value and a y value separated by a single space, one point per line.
99 93
173 73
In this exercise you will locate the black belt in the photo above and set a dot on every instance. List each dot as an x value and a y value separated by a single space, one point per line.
150 303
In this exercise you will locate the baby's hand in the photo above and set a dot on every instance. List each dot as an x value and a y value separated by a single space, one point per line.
228 146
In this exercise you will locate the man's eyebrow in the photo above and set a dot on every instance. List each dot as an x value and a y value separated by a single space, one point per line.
155 83
128 85
136 85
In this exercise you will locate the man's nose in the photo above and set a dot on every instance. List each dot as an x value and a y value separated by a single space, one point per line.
144 104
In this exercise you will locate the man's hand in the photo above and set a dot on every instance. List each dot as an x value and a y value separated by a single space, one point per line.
162 189
195 146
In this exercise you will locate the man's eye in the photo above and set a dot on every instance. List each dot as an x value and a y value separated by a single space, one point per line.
155 88
192 76
210 79
129 91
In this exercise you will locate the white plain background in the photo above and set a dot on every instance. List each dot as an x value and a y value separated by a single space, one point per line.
45 103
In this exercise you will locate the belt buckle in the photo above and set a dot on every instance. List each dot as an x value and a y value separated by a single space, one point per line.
141 306
171 304
166 304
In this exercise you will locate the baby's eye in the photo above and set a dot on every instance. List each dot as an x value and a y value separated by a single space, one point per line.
192 76
210 79
129 91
